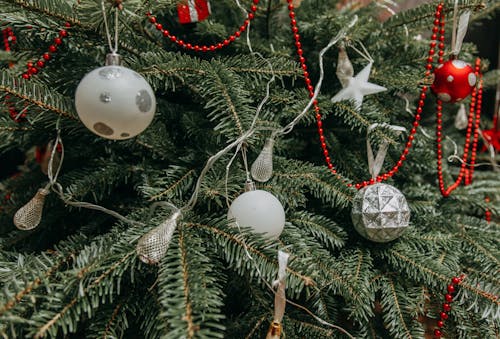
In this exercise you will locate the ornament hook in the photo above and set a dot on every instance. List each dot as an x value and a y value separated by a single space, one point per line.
113 49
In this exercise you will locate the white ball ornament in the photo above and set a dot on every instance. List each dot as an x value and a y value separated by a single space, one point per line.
115 102
259 210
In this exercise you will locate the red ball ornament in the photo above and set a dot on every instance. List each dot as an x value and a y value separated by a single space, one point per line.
454 80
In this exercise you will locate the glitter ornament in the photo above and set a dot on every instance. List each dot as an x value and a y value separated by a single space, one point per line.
454 80
262 167
115 102
380 212
30 215
259 210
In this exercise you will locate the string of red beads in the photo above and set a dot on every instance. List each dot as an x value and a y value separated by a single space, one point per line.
34 68
446 308
438 28
487 213
206 48
8 38
14 114
479 104
475 108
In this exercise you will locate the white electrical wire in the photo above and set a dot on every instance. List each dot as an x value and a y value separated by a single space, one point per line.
58 189
340 35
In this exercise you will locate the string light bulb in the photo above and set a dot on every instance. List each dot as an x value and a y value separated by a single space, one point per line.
262 167
30 215
153 246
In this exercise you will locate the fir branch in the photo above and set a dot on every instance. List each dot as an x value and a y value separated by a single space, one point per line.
493 298
33 285
425 12
173 186
111 320
189 292
187 317
256 327
15 129
223 90
483 250
390 302
43 329
51 9
473 271
313 178
419 266
307 281
307 326
327 231
37 95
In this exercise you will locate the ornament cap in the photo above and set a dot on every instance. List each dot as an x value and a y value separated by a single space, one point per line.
250 186
113 59
274 330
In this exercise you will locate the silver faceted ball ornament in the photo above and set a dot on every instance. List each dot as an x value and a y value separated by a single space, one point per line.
380 213
115 102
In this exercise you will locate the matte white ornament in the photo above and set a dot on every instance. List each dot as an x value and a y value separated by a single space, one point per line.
380 212
358 87
259 210
115 102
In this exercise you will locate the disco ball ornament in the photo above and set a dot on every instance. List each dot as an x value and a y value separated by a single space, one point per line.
259 210
115 102
380 213
454 80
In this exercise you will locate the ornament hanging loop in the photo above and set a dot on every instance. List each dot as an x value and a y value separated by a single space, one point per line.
459 30
375 162
118 6
275 329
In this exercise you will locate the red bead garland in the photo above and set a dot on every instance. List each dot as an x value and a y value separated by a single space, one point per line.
487 212
34 68
451 288
8 38
206 48
475 108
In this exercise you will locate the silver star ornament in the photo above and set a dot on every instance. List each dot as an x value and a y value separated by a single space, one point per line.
358 87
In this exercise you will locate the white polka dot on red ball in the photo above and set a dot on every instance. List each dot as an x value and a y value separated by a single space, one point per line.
454 80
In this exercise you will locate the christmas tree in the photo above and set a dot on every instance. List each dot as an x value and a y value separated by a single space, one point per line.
122 224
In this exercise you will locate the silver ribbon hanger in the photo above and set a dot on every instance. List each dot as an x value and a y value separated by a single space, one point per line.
375 162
